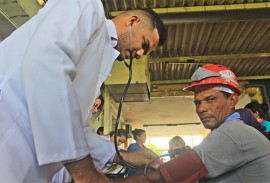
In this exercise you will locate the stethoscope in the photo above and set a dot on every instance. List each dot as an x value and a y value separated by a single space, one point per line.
129 66
171 154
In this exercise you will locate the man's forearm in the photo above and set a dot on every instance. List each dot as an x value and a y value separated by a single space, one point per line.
124 155
136 158
84 171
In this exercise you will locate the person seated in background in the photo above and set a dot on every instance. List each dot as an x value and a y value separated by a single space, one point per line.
97 106
259 112
100 130
249 119
266 110
122 136
174 144
114 170
139 135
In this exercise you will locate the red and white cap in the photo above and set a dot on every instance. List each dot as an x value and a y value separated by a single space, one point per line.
217 75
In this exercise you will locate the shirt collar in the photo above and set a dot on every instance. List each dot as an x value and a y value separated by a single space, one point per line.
112 32
235 115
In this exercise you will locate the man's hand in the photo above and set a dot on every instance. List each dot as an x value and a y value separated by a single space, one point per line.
138 158
153 176
83 171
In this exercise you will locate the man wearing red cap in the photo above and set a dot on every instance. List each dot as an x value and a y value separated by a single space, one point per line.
233 151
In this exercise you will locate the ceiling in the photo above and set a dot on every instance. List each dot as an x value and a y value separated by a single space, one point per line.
234 33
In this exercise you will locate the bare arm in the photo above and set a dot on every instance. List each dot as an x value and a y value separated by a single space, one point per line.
137 158
83 171
154 175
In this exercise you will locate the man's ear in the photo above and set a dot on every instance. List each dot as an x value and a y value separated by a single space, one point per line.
133 19
233 100
257 114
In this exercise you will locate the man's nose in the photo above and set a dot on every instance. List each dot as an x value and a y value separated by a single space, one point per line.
202 107
95 110
139 53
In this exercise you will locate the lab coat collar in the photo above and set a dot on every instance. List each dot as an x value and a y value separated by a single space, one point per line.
112 32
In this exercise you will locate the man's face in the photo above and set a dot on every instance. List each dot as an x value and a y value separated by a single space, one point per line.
120 139
96 106
142 137
143 39
213 107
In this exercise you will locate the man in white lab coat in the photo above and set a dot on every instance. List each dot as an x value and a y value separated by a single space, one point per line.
49 67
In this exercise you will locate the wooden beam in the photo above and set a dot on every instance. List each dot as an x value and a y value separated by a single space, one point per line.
185 81
193 59
210 8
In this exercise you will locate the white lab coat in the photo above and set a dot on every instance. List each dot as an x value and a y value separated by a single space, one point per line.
49 68
102 152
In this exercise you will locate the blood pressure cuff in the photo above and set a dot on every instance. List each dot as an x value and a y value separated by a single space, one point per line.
187 167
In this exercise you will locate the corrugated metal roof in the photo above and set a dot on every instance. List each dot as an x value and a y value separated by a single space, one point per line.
234 33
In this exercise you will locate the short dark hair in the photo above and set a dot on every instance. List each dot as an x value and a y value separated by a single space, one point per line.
156 22
100 97
256 107
265 108
152 20
137 132
101 128
120 132
111 133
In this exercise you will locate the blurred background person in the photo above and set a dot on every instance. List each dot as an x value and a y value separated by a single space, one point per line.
122 136
113 170
139 135
97 106
259 112
249 119
175 143
100 130
266 110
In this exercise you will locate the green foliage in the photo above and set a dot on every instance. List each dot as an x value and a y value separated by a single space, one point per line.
154 148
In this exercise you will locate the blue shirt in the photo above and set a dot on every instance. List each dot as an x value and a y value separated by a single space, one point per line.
235 115
134 147
266 124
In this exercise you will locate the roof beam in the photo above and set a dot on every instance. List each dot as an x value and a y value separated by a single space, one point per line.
187 59
185 81
215 13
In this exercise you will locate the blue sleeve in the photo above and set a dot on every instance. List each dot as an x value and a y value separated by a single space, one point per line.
133 147
266 124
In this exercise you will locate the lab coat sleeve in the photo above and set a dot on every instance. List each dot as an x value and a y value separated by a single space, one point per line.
102 150
49 67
